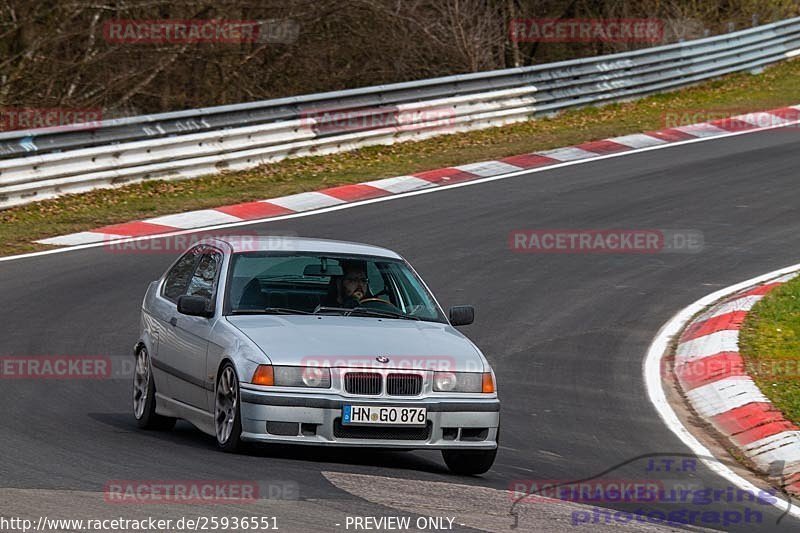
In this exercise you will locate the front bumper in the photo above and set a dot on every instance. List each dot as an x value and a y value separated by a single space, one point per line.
312 419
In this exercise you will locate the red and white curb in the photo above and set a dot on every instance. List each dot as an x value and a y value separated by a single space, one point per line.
311 201
712 374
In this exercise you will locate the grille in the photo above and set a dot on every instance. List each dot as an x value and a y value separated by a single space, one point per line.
362 383
384 433
404 384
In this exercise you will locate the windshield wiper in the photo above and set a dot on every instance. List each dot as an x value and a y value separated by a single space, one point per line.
270 311
348 311
378 312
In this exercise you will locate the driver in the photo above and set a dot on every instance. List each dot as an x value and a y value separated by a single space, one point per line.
353 285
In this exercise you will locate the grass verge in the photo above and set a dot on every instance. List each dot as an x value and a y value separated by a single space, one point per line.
770 344
20 226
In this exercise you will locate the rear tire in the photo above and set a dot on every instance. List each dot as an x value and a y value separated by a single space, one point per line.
144 396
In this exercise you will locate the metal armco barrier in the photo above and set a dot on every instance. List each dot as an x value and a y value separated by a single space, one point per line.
39 164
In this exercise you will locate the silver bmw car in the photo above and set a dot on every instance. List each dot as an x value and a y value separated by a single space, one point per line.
307 341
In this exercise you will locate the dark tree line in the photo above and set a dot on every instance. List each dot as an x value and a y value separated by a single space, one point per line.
54 53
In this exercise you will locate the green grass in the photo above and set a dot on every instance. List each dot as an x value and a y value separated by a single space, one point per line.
19 226
770 345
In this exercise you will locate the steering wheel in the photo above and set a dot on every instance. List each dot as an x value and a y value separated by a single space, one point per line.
381 302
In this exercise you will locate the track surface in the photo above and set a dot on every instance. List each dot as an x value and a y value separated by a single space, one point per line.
566 333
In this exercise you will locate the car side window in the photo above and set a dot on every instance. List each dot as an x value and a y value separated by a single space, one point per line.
204 279
178 278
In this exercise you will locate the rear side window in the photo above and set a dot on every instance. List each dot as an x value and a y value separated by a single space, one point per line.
179 276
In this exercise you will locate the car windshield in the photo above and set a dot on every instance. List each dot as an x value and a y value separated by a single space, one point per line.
314 283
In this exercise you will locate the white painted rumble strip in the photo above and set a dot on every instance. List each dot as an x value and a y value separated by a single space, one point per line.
570 153
655 391
306 201
744 303
400 184
721 396
638 140
194 219
488 168
712 344
84 237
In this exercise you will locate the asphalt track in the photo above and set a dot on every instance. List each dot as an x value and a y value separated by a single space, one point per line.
566 335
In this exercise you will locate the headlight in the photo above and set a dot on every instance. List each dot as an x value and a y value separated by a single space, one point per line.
463 382
293 376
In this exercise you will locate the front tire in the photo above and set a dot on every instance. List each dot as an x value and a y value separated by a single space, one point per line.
469 462
144 396
227 414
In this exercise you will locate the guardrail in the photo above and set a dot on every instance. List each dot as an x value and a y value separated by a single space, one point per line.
39 164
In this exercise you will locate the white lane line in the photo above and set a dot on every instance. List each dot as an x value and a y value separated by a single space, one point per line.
351 205
658 397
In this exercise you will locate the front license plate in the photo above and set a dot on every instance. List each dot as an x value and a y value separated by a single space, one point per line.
384 416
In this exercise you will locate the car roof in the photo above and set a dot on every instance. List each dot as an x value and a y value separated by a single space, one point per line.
282 243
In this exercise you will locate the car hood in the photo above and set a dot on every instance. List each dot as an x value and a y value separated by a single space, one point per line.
339 341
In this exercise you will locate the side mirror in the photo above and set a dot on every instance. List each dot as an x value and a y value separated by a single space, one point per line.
194 306
462 315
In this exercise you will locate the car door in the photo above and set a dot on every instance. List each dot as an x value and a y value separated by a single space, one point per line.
187 349
163 310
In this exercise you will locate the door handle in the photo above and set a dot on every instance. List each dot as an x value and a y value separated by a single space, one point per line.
173 321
